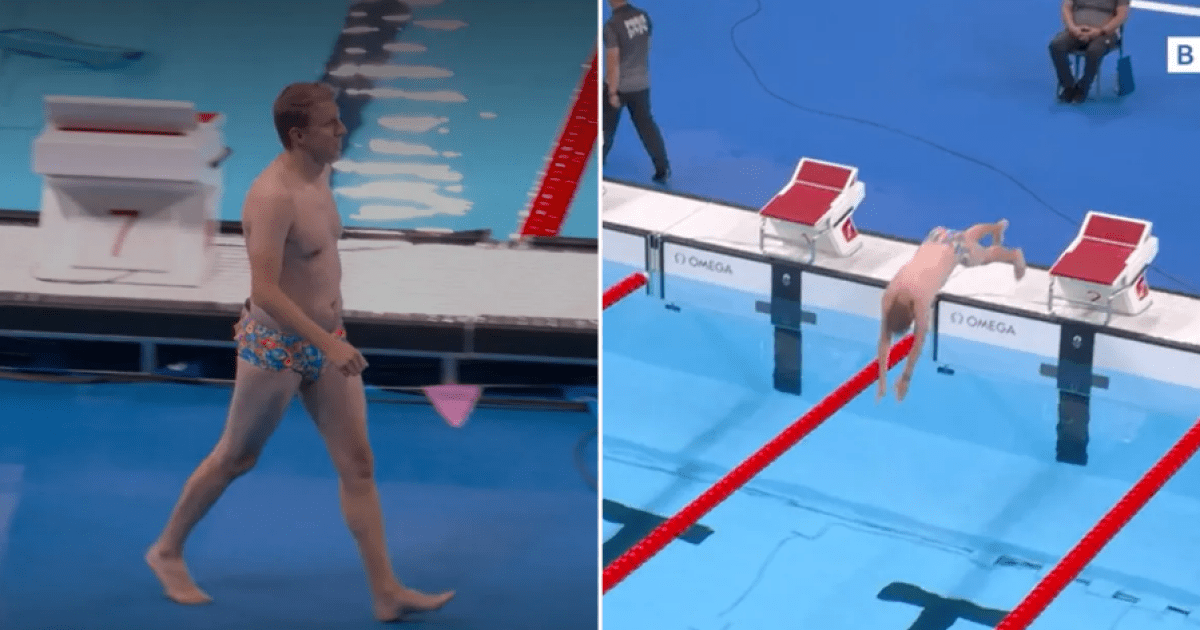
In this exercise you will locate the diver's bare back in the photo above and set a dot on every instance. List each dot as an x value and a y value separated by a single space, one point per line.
311 274
923 276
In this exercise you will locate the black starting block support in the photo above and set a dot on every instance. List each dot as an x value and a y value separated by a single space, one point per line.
787 317
1075 378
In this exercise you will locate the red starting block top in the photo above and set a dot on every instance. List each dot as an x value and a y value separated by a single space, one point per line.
206 117
1115 229
826 175
801 203
1098 262
1102 253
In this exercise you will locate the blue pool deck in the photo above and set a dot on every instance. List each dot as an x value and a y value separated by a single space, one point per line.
890 515
502 510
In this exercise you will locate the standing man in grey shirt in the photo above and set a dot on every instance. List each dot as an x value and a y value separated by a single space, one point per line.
627 81
1092 27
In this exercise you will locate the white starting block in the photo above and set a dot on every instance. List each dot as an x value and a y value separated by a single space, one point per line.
129 186
815 208
1104 268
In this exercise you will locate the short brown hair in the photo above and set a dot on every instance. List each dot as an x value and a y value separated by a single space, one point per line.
293 105
898 317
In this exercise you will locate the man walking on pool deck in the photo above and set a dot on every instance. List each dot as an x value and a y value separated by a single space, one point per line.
290 340
627 37
909 296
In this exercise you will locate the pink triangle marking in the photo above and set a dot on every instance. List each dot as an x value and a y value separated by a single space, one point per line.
454 402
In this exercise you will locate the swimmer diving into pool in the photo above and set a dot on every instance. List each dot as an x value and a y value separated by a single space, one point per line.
909 297
290 340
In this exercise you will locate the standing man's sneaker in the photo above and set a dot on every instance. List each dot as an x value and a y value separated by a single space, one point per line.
661 177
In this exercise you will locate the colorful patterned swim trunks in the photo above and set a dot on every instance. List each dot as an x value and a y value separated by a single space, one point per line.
271 349
955 239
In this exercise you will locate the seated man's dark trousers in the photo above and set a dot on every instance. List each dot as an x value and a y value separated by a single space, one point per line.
1060 48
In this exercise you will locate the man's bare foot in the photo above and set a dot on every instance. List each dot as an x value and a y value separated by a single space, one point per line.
177 584
407 600
1019 264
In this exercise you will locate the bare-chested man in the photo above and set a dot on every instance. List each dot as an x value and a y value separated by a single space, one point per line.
290 340
909 296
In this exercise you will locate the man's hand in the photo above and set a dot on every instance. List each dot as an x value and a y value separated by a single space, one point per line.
1087 33
346 358
902 386
614 100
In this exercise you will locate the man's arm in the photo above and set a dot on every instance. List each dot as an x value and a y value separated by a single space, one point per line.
885 344
268 221
885 339
1117 20
1068 17
922 327
612 60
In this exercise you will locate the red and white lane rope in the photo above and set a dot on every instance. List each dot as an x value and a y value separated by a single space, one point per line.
564 168
624 287
637 555
1067 569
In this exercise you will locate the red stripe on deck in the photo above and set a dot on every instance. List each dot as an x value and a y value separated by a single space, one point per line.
130 132
203 117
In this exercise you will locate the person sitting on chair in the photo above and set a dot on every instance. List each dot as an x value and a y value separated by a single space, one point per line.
1092 27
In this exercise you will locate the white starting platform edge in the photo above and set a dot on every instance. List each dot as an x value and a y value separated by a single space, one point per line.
1143 331
484 302
381 279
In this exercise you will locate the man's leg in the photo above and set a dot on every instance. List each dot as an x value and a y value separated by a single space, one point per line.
1095 52
260 398
977 232
980 255
1060 47
611 117
998 253
639 110
338 404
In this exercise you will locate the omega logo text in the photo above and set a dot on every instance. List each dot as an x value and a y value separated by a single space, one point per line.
694 262
990 325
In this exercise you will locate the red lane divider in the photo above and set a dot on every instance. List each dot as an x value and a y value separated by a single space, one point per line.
1102 533
637 555
624 287
568 160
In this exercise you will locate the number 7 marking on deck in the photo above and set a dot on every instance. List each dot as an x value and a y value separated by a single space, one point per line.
130 217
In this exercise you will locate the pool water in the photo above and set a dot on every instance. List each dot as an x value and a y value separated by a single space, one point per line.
950 503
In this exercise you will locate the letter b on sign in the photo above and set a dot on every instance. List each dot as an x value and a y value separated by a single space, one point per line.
1183 55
